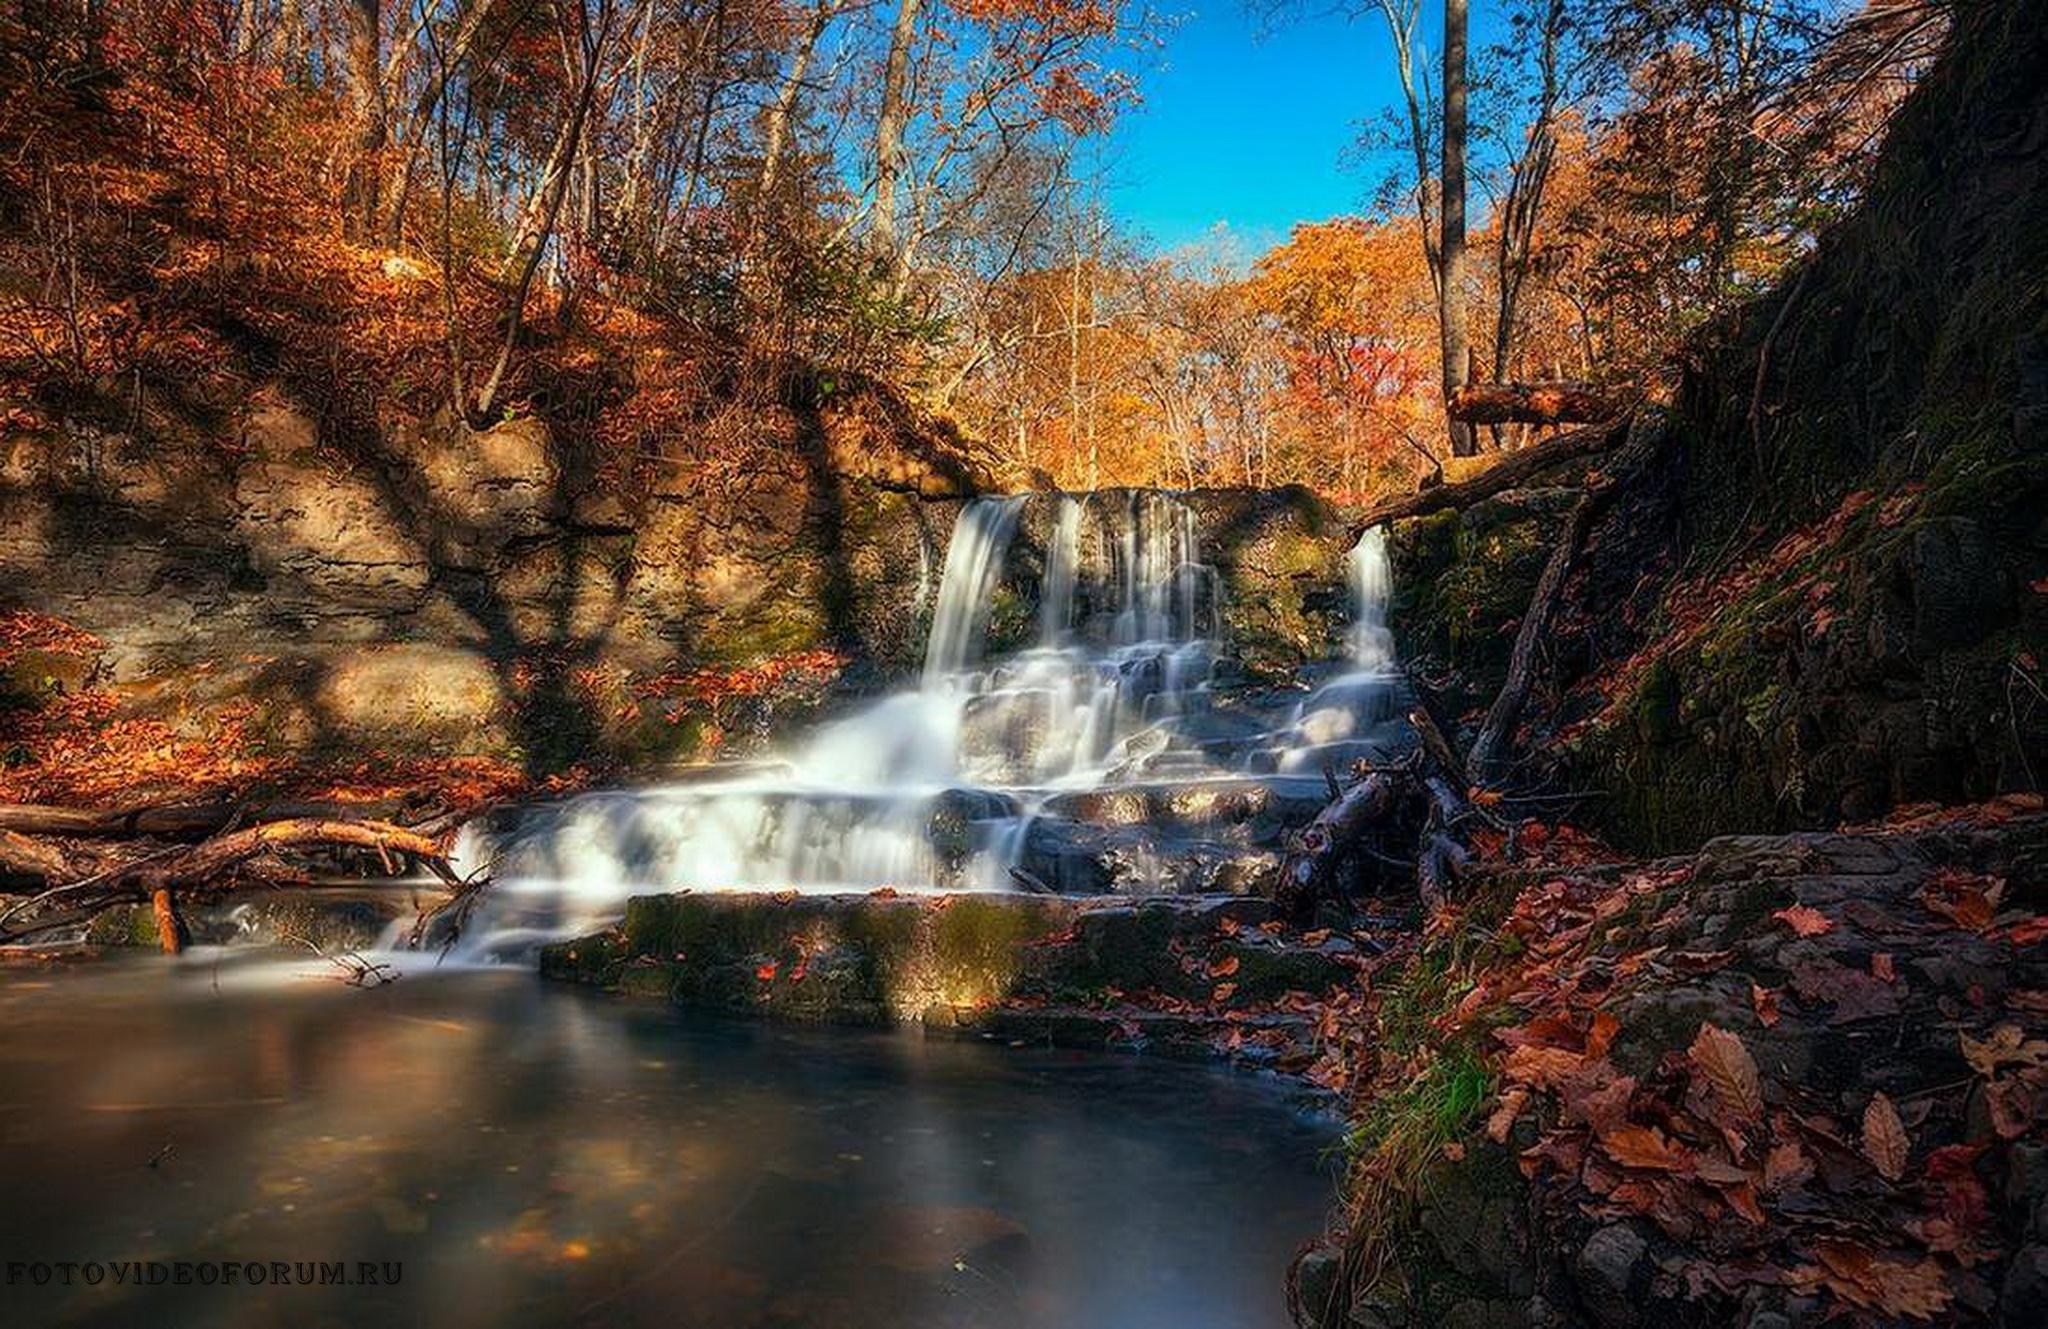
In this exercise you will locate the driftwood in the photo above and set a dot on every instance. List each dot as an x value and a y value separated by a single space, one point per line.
1534 404
1514 468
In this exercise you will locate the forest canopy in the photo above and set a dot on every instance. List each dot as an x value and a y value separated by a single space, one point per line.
642 219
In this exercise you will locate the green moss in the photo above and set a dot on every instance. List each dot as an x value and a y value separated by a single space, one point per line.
979 944
123 925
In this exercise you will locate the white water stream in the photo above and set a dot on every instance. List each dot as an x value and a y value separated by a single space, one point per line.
935 788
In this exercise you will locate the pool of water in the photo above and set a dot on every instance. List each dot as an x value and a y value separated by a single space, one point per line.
534 1155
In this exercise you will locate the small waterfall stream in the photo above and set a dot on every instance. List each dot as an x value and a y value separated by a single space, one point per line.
939 787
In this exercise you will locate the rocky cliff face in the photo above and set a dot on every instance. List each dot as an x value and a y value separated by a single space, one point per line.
411 596
451 590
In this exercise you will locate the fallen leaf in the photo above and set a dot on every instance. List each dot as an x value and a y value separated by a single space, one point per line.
2007 1046
1223 992
1805 921
1881 967
1503 1119
1600 1034
1786 1166
1884 1138
1967 899
1742 1199
1543 1067
1725 1061
1891 1287
1645 1147
1765 1002
1224 967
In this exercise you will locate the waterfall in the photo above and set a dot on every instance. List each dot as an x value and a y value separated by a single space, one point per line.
1372 585
939 786
1062 567
974 562
1349 715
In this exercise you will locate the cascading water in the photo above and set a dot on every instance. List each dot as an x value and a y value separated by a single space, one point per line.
939 787
1352 715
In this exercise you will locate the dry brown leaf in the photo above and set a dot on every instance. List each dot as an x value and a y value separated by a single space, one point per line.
1223 992
1884 1138
1224 967
1503 1119
1807 922
1543 1067
1600 1034
2007 1046
1765 1000
1890 1287
1645 1147
1786 1166
1881 967
1742 1199
1725 1061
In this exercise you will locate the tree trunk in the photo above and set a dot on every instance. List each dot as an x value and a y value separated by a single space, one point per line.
1457 353
366 106
775 132
539 223
889 132
170 929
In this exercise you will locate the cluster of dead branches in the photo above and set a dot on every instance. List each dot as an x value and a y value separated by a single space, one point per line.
79 862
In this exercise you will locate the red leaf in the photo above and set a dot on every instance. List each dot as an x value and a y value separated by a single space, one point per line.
1804 921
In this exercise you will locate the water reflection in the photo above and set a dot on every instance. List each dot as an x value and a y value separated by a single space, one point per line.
535 1155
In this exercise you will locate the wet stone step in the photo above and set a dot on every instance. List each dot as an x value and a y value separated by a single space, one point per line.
956 960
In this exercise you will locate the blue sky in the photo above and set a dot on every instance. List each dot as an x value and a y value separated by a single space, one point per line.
1246 124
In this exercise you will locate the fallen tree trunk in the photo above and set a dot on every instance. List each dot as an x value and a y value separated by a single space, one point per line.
1514 468
21 856
163 821
1533 404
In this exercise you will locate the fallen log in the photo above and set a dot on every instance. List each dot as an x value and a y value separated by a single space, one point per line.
157 821
215 857
21 856
1487 759
1534 404
1514 468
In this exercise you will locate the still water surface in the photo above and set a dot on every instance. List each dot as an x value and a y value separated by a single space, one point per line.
536 1155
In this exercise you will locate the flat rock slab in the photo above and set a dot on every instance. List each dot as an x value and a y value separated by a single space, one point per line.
1073 972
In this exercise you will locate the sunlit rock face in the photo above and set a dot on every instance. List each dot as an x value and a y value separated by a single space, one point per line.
275 550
